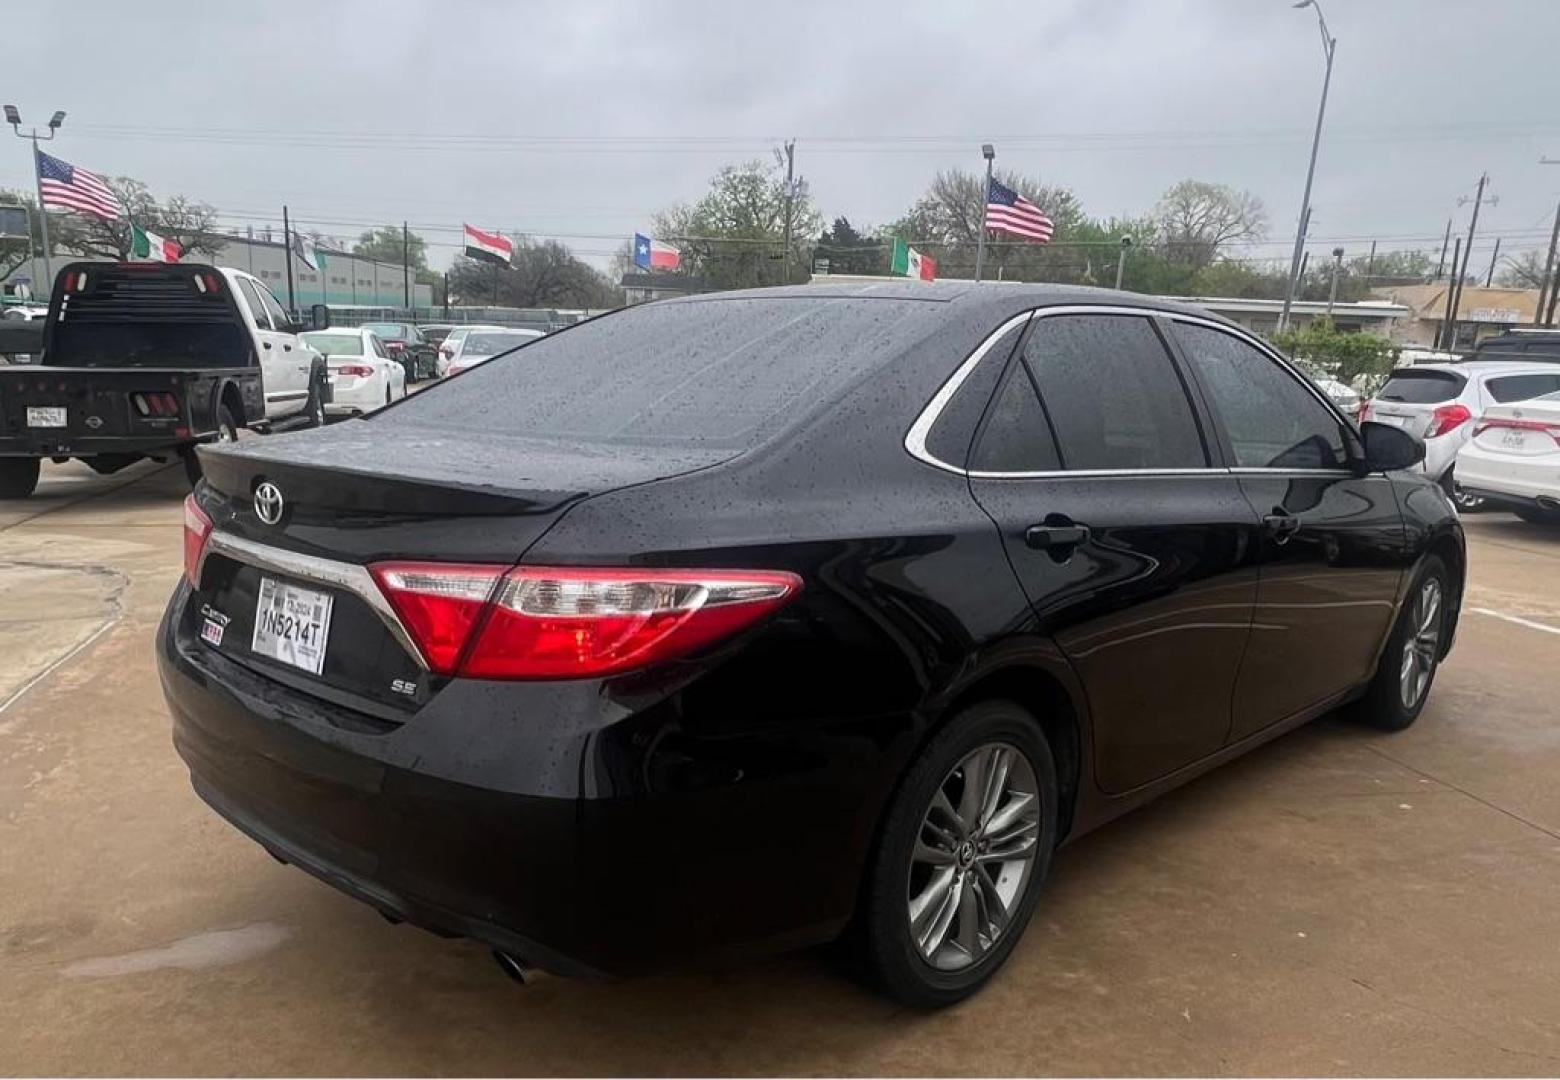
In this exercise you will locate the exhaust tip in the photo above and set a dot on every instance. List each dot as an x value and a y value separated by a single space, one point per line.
516 968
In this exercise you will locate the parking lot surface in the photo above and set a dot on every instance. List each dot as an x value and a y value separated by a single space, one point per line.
1339 901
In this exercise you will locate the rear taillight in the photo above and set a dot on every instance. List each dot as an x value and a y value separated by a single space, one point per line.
394 346
197 530
1447 418
1489 422
568 623
208 284
156 404
1364 413
357 371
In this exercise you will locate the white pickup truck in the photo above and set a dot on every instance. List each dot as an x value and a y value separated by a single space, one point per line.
149 359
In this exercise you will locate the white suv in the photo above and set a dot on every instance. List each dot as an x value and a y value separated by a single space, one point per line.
1441 403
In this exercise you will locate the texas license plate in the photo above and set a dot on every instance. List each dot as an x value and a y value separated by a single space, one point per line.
1514 440
46 416
292 625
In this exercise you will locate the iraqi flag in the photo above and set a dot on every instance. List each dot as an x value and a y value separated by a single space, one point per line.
654 255
148 245
909 262
494 247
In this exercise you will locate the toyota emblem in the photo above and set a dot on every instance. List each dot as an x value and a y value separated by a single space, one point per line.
268 502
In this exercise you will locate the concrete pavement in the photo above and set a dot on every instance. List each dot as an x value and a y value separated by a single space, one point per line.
1338 902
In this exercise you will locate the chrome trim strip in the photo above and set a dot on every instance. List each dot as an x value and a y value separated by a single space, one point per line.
915 438
348 577
1085 474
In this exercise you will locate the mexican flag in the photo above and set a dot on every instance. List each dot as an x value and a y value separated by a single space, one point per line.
148 245
909 262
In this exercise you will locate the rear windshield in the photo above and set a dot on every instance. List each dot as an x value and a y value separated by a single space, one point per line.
335 344
707 372
1523 387
1422 387
493 344
387 331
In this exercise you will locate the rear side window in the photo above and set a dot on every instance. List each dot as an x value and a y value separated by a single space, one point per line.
1522 387
1272 419
257 313
1016 437
1422 387
1112 394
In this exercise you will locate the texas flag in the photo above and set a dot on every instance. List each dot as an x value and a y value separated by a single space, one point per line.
654 255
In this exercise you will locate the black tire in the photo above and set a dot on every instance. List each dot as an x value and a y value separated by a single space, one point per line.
895 879
227 432
1386 703
1537 515
18 477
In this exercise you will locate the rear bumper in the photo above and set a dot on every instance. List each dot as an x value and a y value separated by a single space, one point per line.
66 444
1509 479
587 839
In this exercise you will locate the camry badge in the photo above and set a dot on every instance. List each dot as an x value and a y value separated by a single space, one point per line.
268 503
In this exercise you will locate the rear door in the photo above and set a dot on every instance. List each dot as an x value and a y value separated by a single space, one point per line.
284 391
1332 545
1136 548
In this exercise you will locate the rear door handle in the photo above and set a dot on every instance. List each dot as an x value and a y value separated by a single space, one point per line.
1054 537
267 344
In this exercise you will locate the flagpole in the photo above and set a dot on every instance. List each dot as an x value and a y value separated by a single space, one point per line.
292 302
989 153
43 221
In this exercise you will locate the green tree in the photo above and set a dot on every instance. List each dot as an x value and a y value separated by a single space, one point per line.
851 252
543 274
389 244
1361 360
945 222
735 234
188 223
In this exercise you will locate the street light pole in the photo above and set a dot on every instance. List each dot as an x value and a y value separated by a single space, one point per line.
1332 291
14 118
988 152
1329 47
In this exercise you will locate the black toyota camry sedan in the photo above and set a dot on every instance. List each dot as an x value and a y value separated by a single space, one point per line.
754 620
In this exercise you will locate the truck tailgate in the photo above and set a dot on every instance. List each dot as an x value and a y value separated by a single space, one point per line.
48 411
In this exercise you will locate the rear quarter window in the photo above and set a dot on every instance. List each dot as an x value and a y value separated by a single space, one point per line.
1422 387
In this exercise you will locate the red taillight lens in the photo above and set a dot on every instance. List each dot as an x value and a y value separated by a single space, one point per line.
1447 418
197 530
1488 422
1364 414
569 623
358 371
394 346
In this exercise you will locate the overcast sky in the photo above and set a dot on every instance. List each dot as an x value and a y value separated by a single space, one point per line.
580 120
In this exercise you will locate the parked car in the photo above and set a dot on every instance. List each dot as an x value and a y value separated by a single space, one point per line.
1440 402
1520 345
1513 461
452 341
405 343
480 346
362 375
435 333
743 621
149 360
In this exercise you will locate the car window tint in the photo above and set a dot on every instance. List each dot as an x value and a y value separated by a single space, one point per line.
954 429
1421 387
1272 420
1112 394
335 344
257 314
1016 437
1523 387
712 371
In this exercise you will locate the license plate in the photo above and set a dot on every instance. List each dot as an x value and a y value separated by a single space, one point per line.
292 624
1514 440
46 416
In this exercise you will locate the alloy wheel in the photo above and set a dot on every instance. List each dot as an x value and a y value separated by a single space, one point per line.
1421 648
973 856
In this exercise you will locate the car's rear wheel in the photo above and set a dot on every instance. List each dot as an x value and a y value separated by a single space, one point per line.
18 477
1408 664
965 845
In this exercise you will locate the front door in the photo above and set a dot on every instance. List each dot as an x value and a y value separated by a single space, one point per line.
1332 544
1136 551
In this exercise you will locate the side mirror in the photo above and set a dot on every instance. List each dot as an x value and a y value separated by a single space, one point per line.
1388 448
319 317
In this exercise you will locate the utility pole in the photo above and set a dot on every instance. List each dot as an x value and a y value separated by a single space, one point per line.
1546 282
287 257
1329 47
1448 332
1489 278
406 263
1446 242
14 118
1332 290
1370 264
989 152
1121 260
1473 225
790 201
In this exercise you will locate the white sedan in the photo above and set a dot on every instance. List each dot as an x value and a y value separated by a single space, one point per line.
450 342
362 375
480 346
1513 460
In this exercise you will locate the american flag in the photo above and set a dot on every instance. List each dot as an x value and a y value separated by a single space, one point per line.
1008 211
66 187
